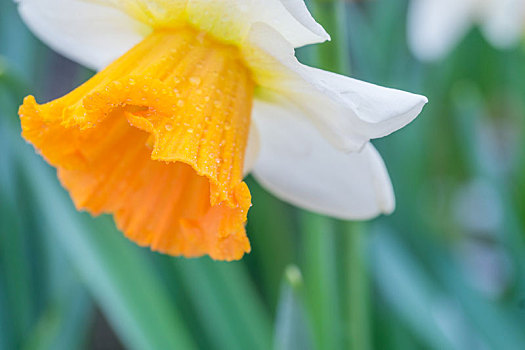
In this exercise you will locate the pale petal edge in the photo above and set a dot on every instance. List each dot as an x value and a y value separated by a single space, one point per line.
299 166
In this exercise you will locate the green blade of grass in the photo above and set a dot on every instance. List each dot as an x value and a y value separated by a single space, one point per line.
271 231
16 275
292 327
408 290
332 55
321 280
64 324
226 303
7 333
357 289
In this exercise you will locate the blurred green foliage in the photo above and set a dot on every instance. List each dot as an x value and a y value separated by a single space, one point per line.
445 271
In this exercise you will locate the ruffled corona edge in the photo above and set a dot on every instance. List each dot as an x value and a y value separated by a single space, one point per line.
157 139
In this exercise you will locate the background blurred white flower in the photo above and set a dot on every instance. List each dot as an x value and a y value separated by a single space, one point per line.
436 26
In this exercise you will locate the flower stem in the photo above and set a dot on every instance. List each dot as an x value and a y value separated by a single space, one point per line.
321 279
333 55
325 251
357 286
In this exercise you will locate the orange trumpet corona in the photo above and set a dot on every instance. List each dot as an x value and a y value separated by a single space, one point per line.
158 139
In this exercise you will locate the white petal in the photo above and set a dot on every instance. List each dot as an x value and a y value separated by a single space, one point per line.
298 9
366 110
436 26
231 20
348 112
299 166
290 18
91 34
504 22
252 149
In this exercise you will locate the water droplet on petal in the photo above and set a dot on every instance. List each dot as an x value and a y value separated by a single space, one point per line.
195 80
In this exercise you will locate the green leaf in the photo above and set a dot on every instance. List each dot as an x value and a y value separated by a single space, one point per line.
292 327
356 290
271 231
408 289
15 263
321 279
64 324
226 303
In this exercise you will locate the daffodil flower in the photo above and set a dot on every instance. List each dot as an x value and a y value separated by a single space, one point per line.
436 26
190 96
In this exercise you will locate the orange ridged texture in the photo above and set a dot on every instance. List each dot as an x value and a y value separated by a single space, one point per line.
158 140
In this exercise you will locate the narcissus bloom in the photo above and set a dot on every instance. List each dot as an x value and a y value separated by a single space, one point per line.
191 96
436 26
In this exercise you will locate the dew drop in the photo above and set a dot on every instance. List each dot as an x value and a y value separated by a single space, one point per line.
195 80
168 127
